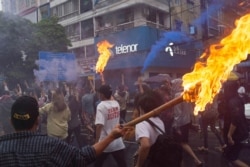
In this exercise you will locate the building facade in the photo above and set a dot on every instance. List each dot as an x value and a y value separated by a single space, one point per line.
135 28
132 27
33 10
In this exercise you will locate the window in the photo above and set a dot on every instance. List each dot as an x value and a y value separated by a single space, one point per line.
60 11
73 32
161 18
178 24
190 7
78 52
152 16
177 2
70 7
100 22
54 11
192 30
85 5
123 16
190 2
44 11
105 21
65 9
87 29
90 51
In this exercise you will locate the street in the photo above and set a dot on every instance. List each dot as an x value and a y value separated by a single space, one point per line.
212 158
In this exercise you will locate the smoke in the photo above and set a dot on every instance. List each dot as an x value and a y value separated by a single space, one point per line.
179 37
56 70
165 40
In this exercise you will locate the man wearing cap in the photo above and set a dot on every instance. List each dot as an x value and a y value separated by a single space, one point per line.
107 116
27 147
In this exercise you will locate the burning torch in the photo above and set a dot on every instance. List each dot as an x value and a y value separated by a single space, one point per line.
105 53
214 67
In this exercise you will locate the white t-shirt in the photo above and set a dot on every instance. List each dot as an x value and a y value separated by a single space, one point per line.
108 115
144 129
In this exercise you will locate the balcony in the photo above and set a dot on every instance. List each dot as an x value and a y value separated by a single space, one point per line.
104 3
74 38
164 1
125 26
70 15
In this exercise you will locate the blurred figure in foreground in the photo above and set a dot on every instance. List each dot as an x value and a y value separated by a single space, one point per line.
235 124
182 121
6 102
145 133
34 149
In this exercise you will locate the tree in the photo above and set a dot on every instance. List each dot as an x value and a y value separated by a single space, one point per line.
21 41
51 36
15 34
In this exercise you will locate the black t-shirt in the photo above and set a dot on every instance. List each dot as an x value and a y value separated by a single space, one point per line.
236 116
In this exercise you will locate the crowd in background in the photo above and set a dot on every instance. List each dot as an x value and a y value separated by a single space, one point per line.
76 106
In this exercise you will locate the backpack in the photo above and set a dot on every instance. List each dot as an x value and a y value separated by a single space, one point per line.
165 152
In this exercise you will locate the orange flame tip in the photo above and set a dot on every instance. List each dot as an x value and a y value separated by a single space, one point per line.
103 48
205 81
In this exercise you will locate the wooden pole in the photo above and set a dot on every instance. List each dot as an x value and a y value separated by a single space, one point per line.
102 78
123 82
154 112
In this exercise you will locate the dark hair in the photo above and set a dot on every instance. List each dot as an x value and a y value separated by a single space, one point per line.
106 90
230 89
24 112
149 100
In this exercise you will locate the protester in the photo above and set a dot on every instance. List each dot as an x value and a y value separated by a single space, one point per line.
182 121
209 117
242 93
5 86
75 122
42 99
27 147
122 96
18 90
235 124
107 116
145 134
6 102
88 109
58 115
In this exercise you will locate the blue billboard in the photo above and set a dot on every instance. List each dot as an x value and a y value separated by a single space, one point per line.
130 41
56 67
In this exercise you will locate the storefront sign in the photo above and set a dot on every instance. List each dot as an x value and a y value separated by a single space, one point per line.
175 50
125 49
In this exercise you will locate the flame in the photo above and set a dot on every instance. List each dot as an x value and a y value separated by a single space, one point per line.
103 48
205 81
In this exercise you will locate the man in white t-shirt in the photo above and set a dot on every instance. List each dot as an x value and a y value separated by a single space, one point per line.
107 117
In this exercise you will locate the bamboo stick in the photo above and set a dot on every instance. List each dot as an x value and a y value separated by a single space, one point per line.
154 112
102 78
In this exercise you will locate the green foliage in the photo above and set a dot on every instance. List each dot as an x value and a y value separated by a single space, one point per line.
51 36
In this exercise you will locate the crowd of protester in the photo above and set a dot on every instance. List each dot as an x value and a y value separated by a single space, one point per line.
68 108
